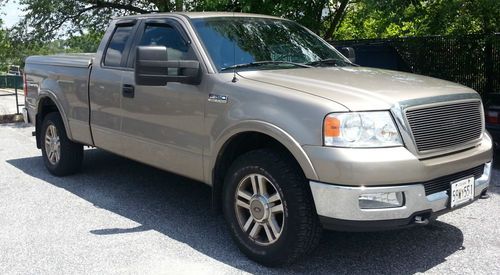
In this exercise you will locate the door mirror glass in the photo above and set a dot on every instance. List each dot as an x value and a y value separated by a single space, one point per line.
152 68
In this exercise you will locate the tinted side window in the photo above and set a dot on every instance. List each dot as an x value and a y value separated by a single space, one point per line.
116 46
164 35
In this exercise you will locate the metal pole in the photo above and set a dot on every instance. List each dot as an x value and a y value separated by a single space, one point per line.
15 87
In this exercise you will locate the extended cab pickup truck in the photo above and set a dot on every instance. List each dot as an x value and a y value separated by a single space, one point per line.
291 135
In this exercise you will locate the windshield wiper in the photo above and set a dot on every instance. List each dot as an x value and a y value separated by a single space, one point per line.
263 63
330 61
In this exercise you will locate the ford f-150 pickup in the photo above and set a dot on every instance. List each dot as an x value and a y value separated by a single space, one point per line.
291 135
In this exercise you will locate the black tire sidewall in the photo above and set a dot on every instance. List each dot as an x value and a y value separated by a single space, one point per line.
71 153
280 251
46 123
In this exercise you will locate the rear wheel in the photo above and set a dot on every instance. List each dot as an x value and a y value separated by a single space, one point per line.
269 208
61 156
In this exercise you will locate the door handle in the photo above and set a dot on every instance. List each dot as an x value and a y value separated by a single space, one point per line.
128 90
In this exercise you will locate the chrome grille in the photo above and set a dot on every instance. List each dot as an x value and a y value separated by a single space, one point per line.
445 126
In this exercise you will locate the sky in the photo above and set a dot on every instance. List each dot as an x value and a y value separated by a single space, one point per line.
11 14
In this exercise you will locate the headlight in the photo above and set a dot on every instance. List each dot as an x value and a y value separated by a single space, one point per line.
361 129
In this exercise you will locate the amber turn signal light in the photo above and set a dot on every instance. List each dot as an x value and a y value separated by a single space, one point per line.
331 127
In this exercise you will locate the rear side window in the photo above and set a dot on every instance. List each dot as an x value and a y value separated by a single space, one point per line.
114 52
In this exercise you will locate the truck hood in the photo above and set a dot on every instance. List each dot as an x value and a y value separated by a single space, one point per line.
358 88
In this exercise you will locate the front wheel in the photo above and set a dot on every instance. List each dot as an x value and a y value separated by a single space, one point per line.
61 156
269 208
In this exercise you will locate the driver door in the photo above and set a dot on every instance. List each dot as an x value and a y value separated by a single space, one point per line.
163 125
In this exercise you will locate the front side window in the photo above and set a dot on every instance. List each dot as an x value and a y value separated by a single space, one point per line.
241 40
114 52
166 35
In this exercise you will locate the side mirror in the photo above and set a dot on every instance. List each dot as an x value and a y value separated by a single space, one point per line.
349 53
152 68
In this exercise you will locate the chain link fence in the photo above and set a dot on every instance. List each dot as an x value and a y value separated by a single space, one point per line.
11 82
12 85
471 60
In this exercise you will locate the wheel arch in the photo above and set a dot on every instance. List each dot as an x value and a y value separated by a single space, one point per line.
248 136
47 103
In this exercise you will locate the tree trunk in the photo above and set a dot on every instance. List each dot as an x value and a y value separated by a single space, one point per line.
337 19
179 5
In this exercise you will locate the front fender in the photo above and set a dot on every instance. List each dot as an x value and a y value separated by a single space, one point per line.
268 129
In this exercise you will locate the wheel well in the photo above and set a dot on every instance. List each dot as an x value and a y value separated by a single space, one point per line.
45 106
232 149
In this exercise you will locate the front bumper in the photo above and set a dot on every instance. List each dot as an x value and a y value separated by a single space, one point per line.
338 206
390 166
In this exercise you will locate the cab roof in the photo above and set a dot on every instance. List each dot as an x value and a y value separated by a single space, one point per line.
194 15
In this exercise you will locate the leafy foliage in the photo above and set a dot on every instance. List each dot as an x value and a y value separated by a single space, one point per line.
5 48
317 15
399 18
86 43
81 23
48 19
77 25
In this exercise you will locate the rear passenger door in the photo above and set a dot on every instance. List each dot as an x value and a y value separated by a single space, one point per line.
105 90
163 125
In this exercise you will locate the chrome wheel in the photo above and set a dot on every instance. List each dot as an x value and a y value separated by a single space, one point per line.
52 145
259 209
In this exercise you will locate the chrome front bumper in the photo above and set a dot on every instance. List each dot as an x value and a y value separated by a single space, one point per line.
342 202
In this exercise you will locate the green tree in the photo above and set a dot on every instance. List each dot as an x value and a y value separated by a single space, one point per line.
5 48
320 16
49 19
14 52
81 23
86 42
396 18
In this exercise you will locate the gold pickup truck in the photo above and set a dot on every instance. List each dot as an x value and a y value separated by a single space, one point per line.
290 134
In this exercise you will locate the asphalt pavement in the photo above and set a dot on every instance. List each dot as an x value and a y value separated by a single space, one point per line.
122 217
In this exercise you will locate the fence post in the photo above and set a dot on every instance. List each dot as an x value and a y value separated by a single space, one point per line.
17 100
488 64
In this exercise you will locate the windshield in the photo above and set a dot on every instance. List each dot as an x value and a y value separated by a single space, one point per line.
232 41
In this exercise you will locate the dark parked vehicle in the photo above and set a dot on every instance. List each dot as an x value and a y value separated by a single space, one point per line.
493 123
14 70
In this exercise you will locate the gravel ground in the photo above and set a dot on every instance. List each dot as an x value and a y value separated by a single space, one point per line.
119 216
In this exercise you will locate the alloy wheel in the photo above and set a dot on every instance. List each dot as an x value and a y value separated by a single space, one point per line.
52 145
259 209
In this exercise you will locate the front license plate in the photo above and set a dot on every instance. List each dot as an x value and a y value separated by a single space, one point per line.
462 191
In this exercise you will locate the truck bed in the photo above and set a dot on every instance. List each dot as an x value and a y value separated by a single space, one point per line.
81 60
64 80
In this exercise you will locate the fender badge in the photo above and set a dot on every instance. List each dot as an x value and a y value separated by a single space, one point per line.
217 98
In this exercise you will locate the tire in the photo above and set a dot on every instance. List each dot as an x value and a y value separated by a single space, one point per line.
296 230
69 159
